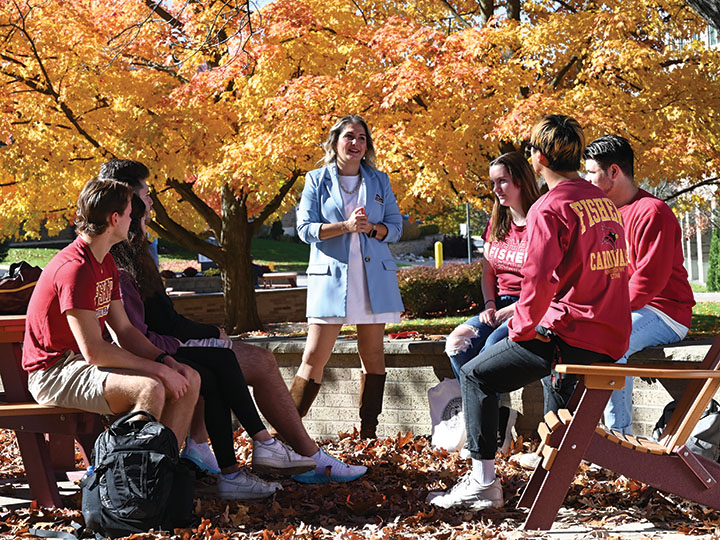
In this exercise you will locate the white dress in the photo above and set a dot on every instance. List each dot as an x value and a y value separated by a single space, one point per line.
358 297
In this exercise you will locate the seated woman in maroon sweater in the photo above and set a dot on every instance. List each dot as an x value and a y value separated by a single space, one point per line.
223 385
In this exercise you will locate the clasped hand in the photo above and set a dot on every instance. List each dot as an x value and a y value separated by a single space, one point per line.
358 222
175 378
495 318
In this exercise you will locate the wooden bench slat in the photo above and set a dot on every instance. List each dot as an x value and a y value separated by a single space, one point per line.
623 370
552 420
24 409
565 416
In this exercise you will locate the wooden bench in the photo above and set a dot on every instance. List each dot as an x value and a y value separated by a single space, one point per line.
45 434
574 434
270 278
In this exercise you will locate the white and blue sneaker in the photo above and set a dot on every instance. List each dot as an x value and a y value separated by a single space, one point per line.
201 456
329 469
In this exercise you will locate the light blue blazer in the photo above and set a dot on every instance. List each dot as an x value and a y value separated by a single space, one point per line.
327 272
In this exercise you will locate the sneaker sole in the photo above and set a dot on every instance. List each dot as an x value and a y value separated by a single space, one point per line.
265 468
248 497
200 465
477 505
324 479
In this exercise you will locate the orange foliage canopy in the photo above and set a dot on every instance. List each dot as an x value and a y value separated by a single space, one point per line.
230 115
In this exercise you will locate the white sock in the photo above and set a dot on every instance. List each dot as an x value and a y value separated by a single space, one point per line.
322 460
267 443
483 471
231 475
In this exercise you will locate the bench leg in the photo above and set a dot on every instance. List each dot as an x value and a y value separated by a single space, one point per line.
62 452
538 476
38 468
557 481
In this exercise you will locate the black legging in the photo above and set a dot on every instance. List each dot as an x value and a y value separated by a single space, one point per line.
224 389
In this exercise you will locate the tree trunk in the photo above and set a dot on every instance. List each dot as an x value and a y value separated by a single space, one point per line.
487 8
241 313
513 9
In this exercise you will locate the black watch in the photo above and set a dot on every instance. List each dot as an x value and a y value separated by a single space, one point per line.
373 233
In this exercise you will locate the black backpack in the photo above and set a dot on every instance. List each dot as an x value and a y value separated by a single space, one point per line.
705 437
136 482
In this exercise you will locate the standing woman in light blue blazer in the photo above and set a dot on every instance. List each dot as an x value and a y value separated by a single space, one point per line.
348 214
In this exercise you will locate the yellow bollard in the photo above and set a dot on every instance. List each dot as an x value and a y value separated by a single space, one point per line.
271 264
438 254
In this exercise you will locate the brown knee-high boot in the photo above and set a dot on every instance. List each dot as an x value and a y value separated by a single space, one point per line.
303 393
371 401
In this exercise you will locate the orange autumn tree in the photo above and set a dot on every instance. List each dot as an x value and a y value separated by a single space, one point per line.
229 115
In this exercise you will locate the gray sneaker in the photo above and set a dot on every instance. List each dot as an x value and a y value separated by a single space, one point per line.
467 493
245 486
279 458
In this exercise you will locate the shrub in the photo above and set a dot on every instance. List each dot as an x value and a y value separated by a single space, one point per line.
713 279
454 247
276 231
426 230
410 231
447 290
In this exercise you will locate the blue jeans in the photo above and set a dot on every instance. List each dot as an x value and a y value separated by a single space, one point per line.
484 336
648 330
504 367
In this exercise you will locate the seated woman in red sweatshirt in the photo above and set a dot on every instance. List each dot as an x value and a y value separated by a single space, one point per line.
574 303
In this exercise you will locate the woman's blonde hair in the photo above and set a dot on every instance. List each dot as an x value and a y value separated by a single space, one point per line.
522 177
330 146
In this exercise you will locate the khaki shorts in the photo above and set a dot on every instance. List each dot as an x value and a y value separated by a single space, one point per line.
71 382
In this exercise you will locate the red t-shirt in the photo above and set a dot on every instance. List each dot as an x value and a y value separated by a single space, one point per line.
575 278
73 279
655 259
507 257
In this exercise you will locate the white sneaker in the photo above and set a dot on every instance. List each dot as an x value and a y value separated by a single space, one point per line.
201 456
245 486
467 493
279 458
330 469
528 461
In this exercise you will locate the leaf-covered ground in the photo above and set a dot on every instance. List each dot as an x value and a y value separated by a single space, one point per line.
389 502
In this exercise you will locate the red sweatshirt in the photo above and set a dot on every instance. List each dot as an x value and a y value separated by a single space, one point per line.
575 279
655 259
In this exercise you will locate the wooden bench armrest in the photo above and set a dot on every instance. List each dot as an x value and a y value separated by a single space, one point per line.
623 370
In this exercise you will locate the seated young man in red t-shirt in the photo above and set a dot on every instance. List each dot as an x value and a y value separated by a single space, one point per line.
574 302
69 362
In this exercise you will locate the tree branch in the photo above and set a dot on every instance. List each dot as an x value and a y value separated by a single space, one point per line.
556 80
709 182
166 227
462 22
185 189
274 204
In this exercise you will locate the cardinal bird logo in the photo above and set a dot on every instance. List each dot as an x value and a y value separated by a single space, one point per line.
609 236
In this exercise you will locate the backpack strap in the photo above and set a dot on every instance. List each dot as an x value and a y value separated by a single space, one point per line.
50 533
124 419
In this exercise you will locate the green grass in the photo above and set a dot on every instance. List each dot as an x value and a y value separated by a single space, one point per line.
697 287
288 256
34 256
705 320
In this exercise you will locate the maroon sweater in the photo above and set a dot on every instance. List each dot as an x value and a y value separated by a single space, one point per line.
655 259
575 278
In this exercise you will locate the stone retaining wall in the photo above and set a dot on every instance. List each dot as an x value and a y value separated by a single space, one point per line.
416 366
274 305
